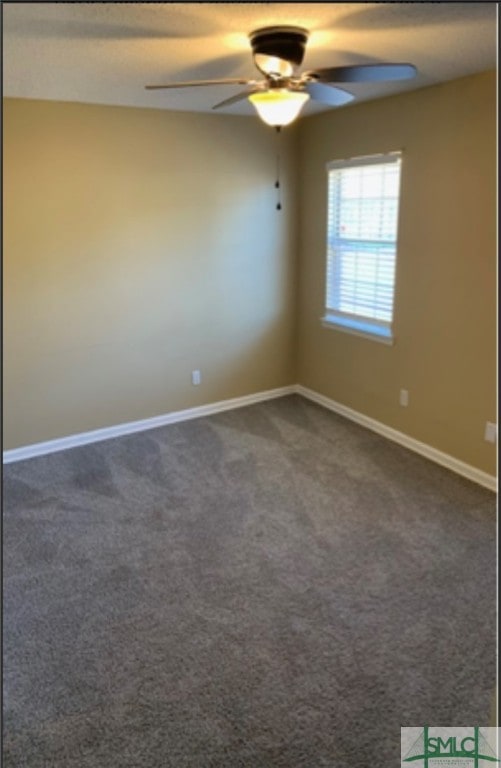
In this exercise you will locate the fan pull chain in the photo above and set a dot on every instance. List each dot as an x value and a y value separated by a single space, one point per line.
277 183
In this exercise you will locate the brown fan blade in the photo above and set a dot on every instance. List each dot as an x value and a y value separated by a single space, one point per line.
364 73
233 99
328 94
193 83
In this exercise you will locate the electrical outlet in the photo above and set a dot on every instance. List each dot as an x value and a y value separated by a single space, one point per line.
491 432
196 378
404 397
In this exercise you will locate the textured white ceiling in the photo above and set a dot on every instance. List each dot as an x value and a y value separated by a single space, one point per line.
105 53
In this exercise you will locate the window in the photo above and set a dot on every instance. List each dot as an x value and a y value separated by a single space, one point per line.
363 196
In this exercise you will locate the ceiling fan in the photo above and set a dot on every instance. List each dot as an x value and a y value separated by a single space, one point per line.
279 97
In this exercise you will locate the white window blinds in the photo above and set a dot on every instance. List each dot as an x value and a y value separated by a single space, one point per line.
363 196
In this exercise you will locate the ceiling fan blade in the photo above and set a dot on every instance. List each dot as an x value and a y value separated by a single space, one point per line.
364 73
328 94
193 83
233 99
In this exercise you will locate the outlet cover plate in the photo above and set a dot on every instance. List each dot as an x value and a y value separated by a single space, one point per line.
491 432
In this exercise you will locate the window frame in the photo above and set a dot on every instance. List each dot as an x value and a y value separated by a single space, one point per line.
346 322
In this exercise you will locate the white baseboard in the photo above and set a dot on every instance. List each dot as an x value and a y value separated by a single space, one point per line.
107 433
444 459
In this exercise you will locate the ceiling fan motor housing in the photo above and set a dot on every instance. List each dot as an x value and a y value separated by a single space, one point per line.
286 43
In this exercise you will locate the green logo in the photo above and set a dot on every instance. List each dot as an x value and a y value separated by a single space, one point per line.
450 747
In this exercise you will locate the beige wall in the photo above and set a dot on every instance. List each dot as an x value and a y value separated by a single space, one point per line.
445 305
138 246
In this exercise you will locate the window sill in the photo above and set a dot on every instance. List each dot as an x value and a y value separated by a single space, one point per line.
358 328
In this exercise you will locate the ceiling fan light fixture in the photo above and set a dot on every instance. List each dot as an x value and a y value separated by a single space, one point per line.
278 106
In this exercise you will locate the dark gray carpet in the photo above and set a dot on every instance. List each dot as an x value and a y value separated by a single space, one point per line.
271 586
